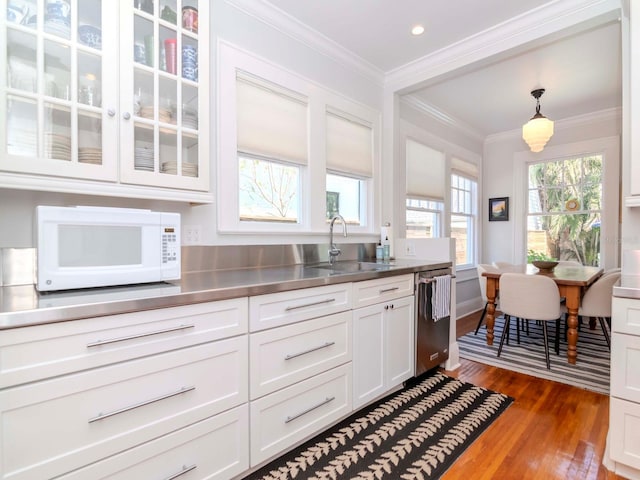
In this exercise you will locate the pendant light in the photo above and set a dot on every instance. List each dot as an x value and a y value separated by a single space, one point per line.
537 131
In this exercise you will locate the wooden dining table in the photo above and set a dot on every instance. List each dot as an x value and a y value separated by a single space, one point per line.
572 282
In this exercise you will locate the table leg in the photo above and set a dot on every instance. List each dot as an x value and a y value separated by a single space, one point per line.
491 307
572 295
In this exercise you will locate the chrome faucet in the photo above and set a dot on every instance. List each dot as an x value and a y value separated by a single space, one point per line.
334 251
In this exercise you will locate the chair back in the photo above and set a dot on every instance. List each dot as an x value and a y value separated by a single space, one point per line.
510 267
596 301
533 297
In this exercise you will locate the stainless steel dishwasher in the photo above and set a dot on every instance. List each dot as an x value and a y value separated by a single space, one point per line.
432 336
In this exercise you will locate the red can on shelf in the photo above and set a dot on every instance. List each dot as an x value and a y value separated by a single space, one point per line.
190 19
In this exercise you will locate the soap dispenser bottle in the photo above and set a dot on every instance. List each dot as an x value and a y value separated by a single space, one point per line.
379 252
386 250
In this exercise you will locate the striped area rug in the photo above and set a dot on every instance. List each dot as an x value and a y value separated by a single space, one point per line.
590 372
414 434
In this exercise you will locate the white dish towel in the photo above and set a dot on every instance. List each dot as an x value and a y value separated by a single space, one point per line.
441 297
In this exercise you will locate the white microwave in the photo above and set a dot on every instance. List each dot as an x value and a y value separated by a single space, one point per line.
84 247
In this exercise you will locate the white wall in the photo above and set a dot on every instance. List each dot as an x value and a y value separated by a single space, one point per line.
500 153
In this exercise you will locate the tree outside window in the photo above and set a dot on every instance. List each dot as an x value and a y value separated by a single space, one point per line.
564 210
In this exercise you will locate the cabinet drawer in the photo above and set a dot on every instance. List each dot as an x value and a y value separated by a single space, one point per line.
285 355
625 375
285 417
216 448
34 353
625 432
283 308
55 426
381 289
625 316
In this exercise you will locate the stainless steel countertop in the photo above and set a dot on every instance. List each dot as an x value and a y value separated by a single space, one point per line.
629 287
23 305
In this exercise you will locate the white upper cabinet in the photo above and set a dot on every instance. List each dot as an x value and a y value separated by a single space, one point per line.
105 97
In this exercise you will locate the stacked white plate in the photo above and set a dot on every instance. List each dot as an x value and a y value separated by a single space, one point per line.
190 119
57 146
190 169
57 27
144 159
90 155
164 114
170 167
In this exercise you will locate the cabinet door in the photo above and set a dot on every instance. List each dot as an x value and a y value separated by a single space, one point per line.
625 375
399 341
368 354
58 88
624 422
164 93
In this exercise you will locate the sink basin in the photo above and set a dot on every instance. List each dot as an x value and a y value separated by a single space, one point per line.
351 266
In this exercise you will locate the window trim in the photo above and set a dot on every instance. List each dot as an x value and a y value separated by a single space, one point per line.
232 59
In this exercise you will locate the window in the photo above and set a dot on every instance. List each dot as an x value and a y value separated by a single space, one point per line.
349 166
425 190
565 209
424 218
464 195
272 149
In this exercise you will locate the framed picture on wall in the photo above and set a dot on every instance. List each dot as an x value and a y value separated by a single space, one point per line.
499 209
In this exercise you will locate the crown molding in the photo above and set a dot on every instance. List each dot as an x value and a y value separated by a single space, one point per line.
549 19
609 114
290 26
440 116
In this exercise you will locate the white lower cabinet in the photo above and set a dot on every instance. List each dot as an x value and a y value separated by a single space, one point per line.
285 417
55 426
624 407
383 348
215 449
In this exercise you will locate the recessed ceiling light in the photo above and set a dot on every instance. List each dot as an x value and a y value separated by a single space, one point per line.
417 30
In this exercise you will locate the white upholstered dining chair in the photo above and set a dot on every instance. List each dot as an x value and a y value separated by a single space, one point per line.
596 302
534 297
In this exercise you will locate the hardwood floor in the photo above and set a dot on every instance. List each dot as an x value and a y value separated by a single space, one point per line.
551 431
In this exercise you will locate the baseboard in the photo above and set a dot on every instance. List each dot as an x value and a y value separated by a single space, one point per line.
469 306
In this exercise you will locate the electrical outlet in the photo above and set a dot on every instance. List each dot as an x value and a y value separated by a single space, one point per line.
411 249
191 234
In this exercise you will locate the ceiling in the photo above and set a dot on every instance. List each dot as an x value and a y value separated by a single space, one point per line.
581 72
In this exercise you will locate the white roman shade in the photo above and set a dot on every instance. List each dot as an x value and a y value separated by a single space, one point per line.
271 122
464 168
349 146
425 171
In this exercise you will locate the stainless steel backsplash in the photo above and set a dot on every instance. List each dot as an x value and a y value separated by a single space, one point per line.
18 265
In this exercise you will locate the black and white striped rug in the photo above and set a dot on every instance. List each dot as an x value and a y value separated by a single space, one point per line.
416 433
590 372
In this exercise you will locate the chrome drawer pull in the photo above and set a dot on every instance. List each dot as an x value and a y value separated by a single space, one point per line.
138 335
389 289
326 344
102 416
328 300
310 409
184 470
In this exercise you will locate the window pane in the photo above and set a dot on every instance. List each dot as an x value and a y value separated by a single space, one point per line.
461 231
565 210
565 237
269 191
343 197
423 218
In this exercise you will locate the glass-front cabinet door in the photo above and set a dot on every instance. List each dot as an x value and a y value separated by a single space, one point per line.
59 89
164 74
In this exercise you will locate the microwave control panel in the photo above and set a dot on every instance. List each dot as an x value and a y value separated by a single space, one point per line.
170 245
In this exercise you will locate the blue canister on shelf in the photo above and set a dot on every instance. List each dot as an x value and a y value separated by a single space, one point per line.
190 62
